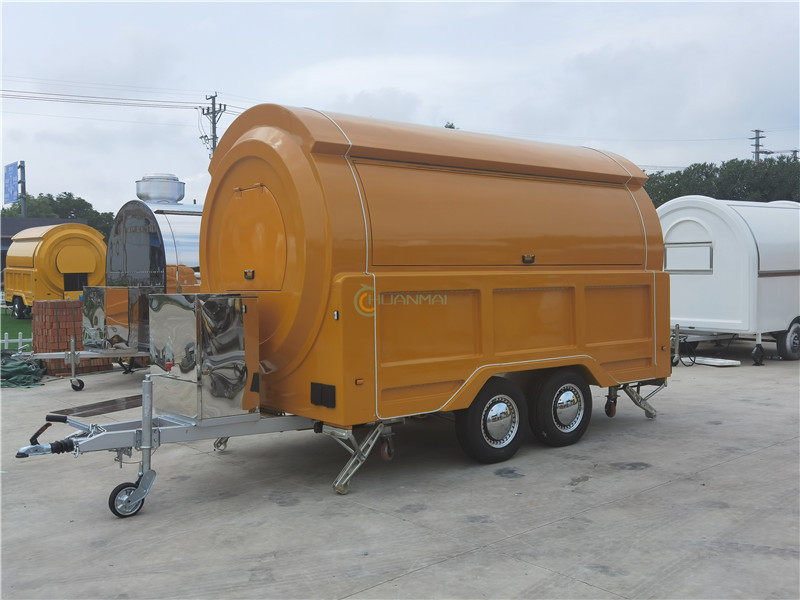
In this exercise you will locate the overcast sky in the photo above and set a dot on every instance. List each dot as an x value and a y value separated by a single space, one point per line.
663 84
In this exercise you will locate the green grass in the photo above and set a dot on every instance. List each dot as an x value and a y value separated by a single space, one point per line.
14 327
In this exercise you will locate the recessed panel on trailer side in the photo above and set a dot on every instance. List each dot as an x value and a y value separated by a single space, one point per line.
475 269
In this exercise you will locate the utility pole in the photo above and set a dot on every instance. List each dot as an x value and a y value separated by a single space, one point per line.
759 149
757 145
22 185
214 113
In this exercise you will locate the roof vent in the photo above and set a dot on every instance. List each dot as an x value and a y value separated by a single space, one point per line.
160 188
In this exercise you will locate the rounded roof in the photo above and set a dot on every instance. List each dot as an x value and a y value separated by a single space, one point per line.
771 228
359 137
48 231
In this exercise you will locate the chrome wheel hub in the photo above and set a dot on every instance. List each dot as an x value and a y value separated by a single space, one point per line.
568 408
500 421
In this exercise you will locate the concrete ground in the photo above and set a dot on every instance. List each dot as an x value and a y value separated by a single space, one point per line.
701 502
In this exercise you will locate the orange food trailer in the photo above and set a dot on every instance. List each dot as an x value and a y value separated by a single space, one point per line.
363 271
402 270
52 262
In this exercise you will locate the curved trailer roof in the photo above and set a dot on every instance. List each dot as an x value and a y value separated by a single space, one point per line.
148 238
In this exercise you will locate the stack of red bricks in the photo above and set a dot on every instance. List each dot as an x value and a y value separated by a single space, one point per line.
54 323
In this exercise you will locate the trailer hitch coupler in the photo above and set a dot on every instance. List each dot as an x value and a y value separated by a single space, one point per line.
35 437
61 446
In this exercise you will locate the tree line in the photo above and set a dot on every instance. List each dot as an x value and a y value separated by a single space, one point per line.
63 206
764 181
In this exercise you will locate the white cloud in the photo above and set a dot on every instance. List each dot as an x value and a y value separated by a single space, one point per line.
628 77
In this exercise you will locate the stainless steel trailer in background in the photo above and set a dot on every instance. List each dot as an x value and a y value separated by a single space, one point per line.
153 247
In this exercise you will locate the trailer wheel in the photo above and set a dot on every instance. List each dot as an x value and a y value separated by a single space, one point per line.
18 308
789 342
119 504
387 449
491 429
562 410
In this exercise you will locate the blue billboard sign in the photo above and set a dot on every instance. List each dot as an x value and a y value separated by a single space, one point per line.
11 187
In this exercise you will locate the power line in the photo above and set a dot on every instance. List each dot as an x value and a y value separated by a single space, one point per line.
95 100
214 113
601 139
114 87
105 100
759 149
111 86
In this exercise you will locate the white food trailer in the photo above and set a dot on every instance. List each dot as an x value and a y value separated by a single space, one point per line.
734 270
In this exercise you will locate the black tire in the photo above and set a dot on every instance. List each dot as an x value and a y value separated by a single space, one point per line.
562 409
18 308
118 503
492 429
77 384
788 342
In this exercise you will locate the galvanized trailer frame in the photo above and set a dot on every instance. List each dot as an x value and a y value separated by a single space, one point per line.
150 432
73 357
206 391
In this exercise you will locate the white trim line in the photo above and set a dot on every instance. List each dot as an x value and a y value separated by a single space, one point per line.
367 239
494 365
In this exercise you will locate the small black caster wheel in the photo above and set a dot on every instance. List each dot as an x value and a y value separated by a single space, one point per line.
387 449
77 384
758 355
611 409
120 505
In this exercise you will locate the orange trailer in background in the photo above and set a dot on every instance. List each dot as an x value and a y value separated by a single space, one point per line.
53 262
402 270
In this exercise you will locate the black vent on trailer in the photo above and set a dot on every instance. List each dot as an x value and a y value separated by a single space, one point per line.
323 395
